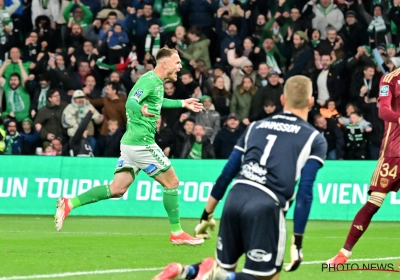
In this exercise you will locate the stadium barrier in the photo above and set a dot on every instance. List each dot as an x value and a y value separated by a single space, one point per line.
31 185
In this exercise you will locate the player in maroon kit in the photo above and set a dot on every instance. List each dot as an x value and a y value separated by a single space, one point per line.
386 175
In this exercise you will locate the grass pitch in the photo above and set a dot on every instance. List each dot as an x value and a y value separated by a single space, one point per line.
136 248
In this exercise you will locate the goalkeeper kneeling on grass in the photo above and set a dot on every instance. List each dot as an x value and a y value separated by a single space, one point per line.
253 221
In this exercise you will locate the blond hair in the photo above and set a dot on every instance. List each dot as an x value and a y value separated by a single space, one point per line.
297 92
165 52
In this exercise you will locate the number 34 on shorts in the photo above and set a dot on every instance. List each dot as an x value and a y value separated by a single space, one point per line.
386 176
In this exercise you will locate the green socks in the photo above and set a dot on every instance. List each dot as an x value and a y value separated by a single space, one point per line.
171 205
170 201
93 195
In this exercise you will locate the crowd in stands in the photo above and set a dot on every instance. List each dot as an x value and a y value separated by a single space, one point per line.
68 66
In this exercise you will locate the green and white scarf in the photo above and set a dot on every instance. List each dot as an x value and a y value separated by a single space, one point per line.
16 101
156 44
10 141
378 24
271 62
42 98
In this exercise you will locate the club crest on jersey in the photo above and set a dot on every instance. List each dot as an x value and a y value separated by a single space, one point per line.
137 94
120 163
384 91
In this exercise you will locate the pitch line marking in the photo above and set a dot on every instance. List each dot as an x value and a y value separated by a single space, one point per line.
99 272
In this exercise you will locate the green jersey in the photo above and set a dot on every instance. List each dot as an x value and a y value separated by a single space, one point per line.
149 89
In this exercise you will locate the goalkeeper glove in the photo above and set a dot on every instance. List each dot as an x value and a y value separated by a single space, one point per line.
296 255
206 221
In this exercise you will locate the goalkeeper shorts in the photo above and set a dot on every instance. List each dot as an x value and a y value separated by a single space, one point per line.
252 223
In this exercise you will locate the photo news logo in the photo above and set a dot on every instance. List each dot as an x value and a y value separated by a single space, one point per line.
383 267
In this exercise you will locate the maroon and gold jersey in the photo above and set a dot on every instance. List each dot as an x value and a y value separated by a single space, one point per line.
389 111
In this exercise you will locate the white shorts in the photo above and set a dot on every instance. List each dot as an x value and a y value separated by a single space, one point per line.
149 158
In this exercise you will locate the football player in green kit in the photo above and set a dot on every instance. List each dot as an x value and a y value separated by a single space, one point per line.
139 150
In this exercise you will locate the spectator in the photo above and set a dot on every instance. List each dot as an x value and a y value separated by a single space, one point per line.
268 110
219 71
74 114
199 13
89 52
329 85
14 65
90 89
78 145
356 142
180 40
50 8
237 55
112 140
198 146
164 137
378 25
170 16
150 43
262 75
302 55
48 118
227 137
75 40
57 146
139 23
39 93
202 77
269 55
246 71
221 97
116 78
190 87
183 130
326 13
170 116
45 32
353 33
32 47
296 21
241 100
197 49
257 29
208 118
117 40
30 138
113 6
6 25
231 38
333 136
272 91
326 46
364 85
330 111
113 107
13 139
81 14
17 98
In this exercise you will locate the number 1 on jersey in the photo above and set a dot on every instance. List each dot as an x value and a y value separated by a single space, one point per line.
271 141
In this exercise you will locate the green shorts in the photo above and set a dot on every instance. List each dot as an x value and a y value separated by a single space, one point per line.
149 158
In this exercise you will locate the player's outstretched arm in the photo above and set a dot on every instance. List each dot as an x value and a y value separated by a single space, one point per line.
192 104
302 210
218 191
